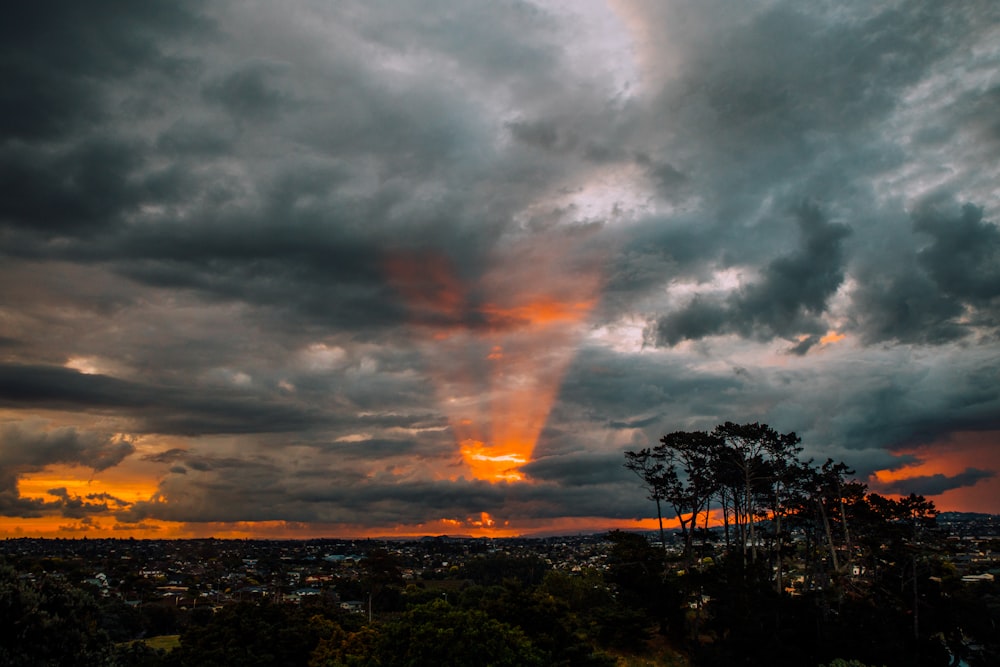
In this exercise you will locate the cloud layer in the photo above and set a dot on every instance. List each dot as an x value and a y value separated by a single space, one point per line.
281 262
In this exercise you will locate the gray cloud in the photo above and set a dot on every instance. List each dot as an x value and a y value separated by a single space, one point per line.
31 446
251 92
932 485
964 258
791 295
585 471
158 409
201 205
59 58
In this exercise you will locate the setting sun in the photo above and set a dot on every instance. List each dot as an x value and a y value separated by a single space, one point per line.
507 341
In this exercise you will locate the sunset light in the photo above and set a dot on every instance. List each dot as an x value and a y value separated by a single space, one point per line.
516 344
581 332
307 268
499 466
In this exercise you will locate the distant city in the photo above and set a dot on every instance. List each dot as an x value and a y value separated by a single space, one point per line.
209 571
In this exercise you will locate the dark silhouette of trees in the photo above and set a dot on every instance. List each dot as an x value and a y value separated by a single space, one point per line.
750 471
688 479
48 623
257 635
382 580
500 568
755 464
651 470
814 567
438 633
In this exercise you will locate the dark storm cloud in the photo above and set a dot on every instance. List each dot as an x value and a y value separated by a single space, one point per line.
872 408
794 104
78 191
252 91
964 257
376 448
832 75
580 470
318 242
386 499
789 299
189 138
933 292
61 171
767 103
910 410
902 304
657 250
58 57
156 409
201 204
31 446
635 423
932 485
270 492
506 41
167 456
544 134
982 108
609 382
28 446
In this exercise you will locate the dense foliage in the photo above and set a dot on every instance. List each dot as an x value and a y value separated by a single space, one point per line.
812 566
47 623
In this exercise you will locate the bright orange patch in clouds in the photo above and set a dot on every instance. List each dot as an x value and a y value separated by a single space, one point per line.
485 525
477 525
498 462
949 457
832 337
116 488
128 488
497 346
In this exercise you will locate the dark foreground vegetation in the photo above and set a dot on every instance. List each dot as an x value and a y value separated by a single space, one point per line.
807 568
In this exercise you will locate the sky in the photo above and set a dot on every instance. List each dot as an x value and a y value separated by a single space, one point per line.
385 268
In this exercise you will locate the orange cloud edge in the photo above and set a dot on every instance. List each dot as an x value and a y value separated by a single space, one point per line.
481 525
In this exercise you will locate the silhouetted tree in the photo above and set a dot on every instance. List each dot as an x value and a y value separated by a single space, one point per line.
439 634
48 623
753 450
689 481
652 471
383 580
250 635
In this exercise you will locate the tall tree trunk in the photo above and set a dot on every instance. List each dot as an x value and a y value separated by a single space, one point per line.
777 539
829 535
741 525
751 521
704 535
847 531
725 517
916 602
663 542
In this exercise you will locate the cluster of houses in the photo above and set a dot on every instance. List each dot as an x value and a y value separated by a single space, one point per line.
214 572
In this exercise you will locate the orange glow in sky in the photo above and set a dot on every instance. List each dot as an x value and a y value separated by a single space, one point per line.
128 488
498 346
949 457
482 524
832 337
